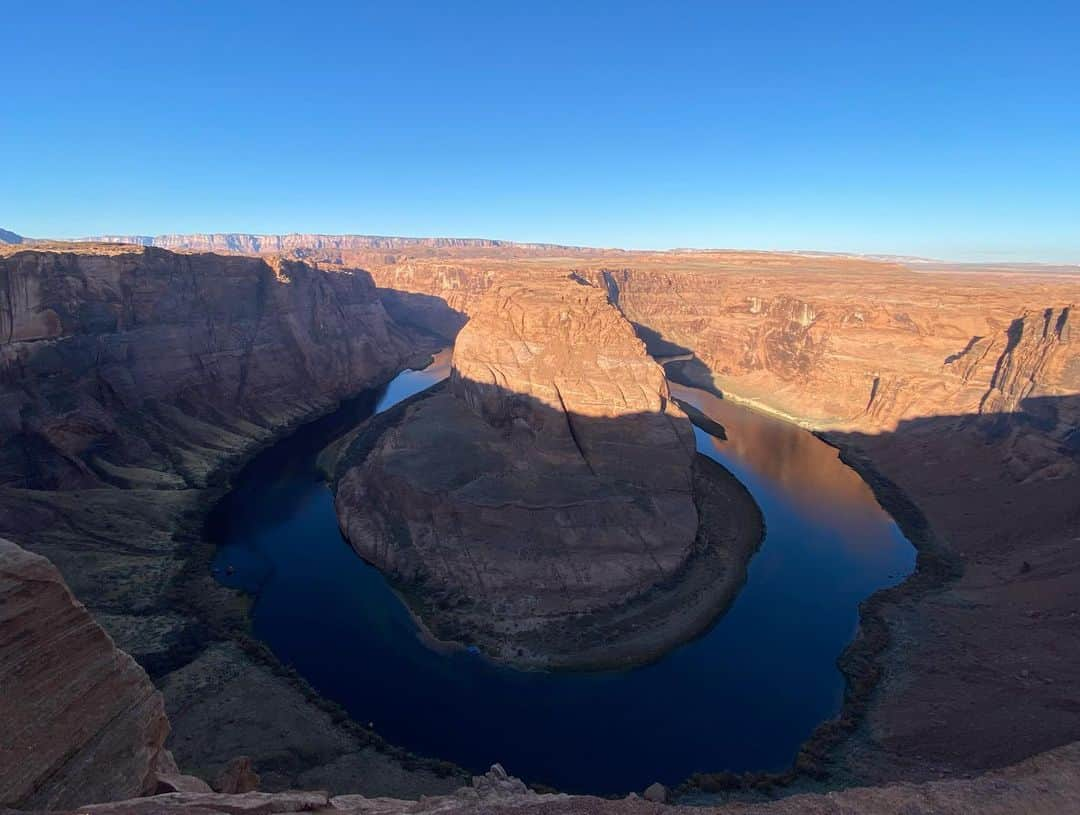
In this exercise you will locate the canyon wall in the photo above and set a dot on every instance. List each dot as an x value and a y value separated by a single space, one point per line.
831 342
141 368
955 395
132 382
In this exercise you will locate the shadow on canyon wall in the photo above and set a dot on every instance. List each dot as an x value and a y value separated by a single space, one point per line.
426 313
989 667
147 374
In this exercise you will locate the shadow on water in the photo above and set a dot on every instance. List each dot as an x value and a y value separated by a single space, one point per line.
741 697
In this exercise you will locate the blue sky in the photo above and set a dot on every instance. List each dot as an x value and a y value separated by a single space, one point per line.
941 129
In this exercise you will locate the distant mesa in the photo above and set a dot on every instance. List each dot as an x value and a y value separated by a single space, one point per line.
255 244
10 237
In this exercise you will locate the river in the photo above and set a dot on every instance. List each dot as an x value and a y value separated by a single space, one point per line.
743 696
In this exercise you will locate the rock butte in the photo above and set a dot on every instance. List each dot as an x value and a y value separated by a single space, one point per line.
527 508
954 391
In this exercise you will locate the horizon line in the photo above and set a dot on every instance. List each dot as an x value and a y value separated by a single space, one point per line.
117 237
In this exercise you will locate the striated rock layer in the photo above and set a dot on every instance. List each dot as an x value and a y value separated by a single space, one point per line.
132 381
531 505
81 721
139 368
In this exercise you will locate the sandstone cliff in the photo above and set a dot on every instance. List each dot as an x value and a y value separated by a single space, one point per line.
142 368
131 381
530 506
81 721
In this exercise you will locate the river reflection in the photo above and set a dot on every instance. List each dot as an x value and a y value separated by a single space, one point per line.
815 482
743 696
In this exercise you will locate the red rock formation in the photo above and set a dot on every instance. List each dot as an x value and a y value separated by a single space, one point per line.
81 722
129 379
140 367
533 505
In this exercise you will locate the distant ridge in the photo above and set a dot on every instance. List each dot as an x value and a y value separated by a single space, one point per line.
252 244
10 237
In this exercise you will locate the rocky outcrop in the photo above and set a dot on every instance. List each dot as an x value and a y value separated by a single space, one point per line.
82 722
555 358
533 506
238 777
858 348
1046 785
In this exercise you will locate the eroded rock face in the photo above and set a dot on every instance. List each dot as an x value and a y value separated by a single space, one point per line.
555 358
551 484
141 367
81 721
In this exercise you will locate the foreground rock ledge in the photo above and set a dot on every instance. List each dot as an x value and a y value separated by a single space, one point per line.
80 721
1047 784
547 502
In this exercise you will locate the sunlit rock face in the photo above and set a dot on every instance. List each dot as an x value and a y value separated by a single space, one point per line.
132 380
551 480
555 358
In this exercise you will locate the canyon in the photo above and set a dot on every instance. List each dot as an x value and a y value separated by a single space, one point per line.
136 379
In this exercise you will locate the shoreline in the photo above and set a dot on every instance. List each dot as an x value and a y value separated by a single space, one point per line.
861 661
224 622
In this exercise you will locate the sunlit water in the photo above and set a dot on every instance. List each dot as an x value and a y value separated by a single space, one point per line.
741 697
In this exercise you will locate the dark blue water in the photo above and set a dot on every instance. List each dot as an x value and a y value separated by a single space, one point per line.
741 697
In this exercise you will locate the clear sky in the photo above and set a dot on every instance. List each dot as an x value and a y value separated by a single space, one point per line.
942 129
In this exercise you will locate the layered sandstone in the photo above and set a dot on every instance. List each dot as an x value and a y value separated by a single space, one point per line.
82 722
531 505
133 381
141 368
